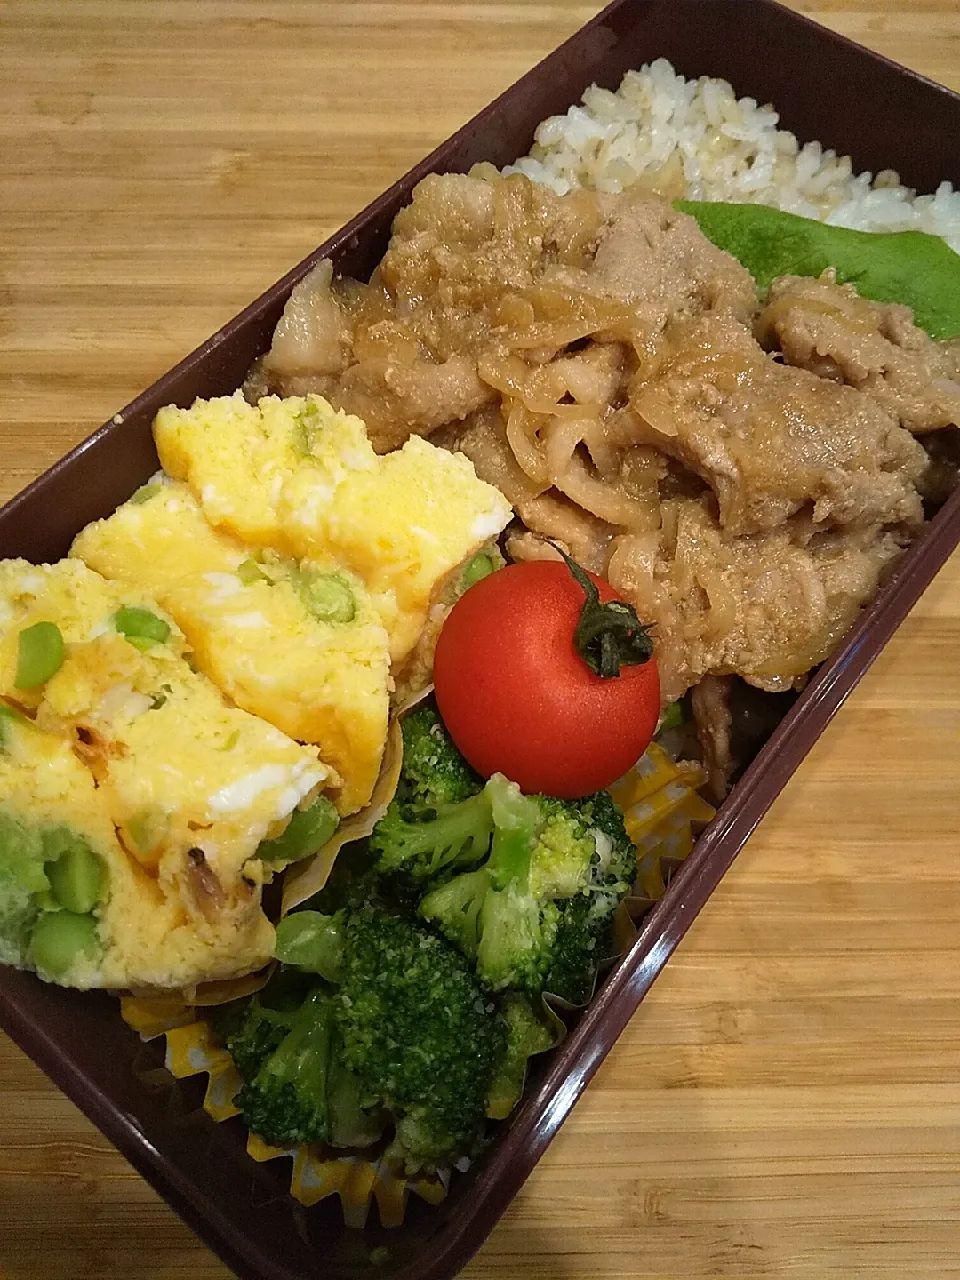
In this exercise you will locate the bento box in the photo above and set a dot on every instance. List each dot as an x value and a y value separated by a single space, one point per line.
856 102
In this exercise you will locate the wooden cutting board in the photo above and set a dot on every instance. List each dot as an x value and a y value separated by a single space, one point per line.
787 1100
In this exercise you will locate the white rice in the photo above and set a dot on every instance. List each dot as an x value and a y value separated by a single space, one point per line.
699 141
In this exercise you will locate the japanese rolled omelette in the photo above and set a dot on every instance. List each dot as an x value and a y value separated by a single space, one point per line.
140 812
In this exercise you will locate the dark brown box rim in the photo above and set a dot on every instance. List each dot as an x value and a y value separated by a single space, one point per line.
105 468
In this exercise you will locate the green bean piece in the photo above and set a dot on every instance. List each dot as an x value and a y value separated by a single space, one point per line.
481 566
306 832
141 627
249 572
39 655
60 938
312 942
327 596
76 879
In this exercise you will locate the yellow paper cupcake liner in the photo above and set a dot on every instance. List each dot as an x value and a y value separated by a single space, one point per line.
662 813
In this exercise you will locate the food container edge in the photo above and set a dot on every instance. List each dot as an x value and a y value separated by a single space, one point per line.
102 471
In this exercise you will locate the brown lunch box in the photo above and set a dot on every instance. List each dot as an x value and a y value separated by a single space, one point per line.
824 87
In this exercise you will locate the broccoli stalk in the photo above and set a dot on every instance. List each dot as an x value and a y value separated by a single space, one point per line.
456 907
493 913
312 942
516 821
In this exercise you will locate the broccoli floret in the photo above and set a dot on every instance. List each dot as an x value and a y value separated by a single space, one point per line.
581 843
352 881
296 1085
285 1102
564 849
434 773
493 914
418 1032
254 1037
440 816
456 835
584 936
527 1033
252 1028
419 1036
455 908
537 915
613 868
507 933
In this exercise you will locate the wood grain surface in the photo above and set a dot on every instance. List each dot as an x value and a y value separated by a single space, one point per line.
787 1100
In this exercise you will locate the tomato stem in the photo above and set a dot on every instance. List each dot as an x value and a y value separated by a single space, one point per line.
607 636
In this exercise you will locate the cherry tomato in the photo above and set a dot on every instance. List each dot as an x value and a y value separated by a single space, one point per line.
518 698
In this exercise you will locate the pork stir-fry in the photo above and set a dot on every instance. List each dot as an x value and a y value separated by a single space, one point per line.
743 474
710 703
767 606
770 440
875 347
